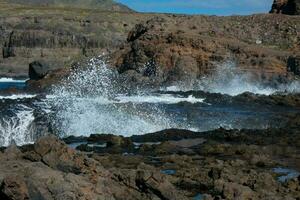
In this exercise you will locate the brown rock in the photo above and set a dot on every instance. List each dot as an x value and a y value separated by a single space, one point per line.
14 188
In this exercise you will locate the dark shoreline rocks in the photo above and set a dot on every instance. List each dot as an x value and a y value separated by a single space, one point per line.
220 164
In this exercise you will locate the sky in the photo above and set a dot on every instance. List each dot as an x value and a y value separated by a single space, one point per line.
208 7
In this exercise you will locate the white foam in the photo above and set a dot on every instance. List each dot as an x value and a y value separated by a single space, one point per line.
90 101
12 80
164 98
229 79
17 128
18 96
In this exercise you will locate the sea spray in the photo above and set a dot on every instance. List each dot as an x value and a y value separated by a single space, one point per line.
92 100
17 127
228 78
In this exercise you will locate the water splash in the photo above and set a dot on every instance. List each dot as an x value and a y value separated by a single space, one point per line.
17 128
229 79
94 100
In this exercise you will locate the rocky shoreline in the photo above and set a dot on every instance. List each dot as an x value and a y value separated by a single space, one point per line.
151 51
171 164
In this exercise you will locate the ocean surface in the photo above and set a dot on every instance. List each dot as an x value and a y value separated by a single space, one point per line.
6 83
94 101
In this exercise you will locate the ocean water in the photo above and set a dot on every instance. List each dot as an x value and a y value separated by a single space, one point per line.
6 83
96 100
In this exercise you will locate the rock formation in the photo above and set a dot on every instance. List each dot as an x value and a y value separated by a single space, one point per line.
288 7
51 170
58 35
163 51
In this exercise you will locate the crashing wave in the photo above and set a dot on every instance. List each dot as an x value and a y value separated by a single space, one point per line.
18 96
229 79
94 101
17 128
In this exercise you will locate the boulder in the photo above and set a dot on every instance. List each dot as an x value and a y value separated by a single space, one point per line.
288 7
38 70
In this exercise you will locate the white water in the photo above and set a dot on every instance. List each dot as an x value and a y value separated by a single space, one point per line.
18 96
17 128
2 80
94 101
229 79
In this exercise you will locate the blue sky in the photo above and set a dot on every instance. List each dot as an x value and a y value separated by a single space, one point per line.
209 7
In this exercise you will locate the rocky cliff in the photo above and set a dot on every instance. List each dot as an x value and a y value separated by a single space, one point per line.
57 35
106 5
153 47
289 7
170 48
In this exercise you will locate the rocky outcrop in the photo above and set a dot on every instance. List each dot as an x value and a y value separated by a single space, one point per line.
51 170
59 35
161 51
38 70
107 5
288 7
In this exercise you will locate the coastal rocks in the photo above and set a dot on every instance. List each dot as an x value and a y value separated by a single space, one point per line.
288 7
219 164
38 70
62 37
186 54
294 64
14 188
55 171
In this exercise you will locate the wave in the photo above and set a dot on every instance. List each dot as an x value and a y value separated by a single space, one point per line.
165 98
18 96
12 80
17 128
229 79
93 101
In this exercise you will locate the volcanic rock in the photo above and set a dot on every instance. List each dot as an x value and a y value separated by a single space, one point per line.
288 7
63 173
294 64
38 70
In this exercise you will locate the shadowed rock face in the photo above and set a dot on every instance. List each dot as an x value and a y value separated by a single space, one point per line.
288 7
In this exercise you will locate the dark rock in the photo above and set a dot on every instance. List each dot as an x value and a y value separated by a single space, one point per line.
38 70
14 188
138 31
111 140
7 52
288 7
165 135
294 64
